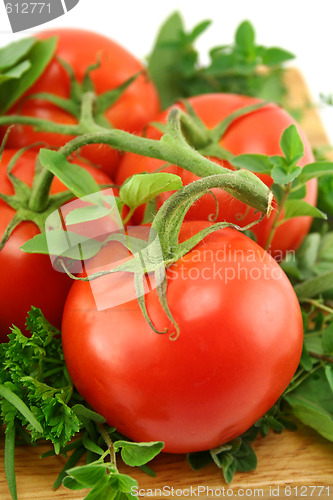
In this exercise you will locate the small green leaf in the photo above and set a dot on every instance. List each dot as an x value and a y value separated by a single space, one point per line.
315 170
75 178
122 482
136 454
292 145
246 459
88 475
312 403
15 72
164 56
300 208
91 446
15 52
83 413
39 56
259 164
86 214
141 188
280 176
327 340
314 286
72 484
275 55
199 459
245 37
64 244
198 30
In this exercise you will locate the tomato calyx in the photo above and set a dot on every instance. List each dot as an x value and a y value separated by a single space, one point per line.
83 103
162 248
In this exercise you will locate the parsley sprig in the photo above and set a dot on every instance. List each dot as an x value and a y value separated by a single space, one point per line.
39 402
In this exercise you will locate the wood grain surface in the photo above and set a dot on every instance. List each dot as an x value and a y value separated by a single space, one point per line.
291 465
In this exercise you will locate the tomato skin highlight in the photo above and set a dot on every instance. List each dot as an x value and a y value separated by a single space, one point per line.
239 345
29 279
80 48
258 132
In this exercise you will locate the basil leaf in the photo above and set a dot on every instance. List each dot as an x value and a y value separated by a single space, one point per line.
15 52
39 56
141 188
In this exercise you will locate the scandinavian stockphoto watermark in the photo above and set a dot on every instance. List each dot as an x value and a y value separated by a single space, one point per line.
25 15
86 236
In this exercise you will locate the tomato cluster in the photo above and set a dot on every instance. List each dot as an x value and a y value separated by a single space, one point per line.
240 327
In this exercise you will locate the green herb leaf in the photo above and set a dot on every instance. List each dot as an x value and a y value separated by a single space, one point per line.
88 475
39 55
299 208
165 55
315 170
312 403
292 145
63 243
254 162
141 188
13 53
245 37
275 56
137 454
16 72
327 340
280 176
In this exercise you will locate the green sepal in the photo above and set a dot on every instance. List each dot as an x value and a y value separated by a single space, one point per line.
107 99
66 104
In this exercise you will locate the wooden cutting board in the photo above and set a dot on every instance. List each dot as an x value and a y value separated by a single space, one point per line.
291 465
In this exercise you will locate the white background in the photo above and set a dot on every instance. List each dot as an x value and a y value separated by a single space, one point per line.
305 27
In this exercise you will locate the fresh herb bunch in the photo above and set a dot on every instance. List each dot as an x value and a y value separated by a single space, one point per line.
39 402
243 67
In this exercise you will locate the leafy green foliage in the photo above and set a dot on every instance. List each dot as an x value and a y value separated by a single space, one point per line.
40 402
175 68
21 64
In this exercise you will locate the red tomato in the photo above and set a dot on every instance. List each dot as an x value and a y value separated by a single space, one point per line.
80 48
257 132
239 344
28 279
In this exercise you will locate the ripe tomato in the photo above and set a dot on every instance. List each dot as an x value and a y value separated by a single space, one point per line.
28 279
239 344
80 49
257 132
